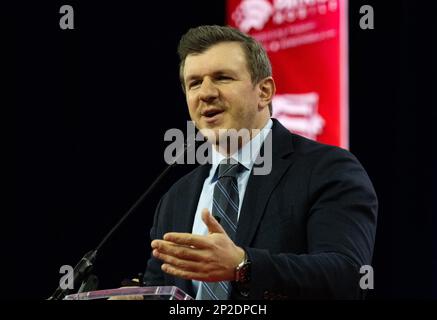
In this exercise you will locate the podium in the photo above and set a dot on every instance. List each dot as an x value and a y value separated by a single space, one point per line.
146 293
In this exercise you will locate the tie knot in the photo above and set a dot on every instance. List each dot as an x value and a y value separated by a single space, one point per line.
228 168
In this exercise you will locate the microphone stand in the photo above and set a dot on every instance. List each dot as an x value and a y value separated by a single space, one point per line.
82 271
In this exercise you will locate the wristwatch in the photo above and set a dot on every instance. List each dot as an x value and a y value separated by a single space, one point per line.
242 271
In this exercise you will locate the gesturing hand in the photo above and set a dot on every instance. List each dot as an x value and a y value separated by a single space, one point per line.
204 258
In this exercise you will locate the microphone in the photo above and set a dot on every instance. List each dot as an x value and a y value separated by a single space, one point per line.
82 271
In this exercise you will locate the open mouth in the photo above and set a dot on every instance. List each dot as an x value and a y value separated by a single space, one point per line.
211 113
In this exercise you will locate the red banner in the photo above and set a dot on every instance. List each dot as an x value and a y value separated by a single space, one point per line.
306 41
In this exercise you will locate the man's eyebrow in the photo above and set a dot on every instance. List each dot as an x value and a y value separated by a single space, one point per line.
214 74
192 77
224 71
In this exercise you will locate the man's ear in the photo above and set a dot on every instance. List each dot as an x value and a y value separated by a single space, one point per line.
267 89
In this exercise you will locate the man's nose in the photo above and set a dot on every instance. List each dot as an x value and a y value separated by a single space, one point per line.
208 91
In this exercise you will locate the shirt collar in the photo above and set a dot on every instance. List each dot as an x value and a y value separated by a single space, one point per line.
247 154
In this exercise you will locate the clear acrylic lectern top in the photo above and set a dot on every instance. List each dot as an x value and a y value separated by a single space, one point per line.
147 293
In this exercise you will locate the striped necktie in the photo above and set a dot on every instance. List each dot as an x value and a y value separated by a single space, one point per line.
225 206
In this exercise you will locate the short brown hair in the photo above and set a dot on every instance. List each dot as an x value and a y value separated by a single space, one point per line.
199 39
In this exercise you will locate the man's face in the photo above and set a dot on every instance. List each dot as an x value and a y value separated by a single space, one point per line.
219 90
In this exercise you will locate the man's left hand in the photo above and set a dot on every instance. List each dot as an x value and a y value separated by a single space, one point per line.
213 257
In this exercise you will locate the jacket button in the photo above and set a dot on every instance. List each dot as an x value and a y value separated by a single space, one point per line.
244 293
267 295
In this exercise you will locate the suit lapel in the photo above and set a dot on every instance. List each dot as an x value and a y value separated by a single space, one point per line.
260 187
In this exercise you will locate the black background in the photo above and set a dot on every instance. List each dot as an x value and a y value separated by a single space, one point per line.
92 105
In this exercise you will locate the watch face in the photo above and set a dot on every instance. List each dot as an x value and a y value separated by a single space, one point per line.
243 272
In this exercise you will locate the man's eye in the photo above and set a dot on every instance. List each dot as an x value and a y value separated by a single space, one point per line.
193 84
224 78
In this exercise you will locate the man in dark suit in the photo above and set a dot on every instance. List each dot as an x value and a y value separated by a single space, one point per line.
303 230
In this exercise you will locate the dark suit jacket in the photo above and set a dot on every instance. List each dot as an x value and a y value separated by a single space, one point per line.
307 227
